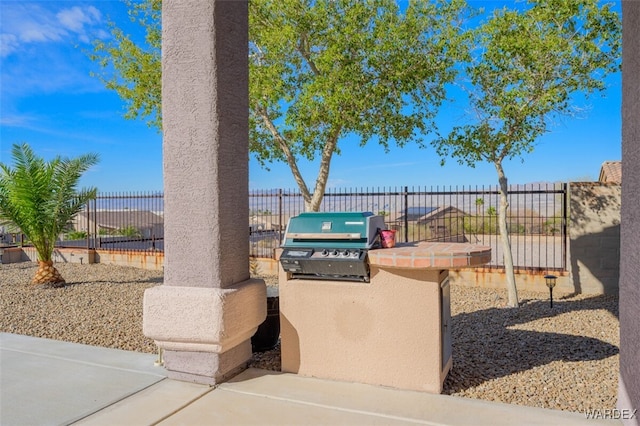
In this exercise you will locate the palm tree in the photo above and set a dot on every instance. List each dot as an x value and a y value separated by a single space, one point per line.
41 198
479 204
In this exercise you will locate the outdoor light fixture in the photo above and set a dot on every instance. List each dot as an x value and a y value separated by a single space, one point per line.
551 283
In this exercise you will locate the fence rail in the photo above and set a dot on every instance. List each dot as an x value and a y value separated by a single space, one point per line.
537 219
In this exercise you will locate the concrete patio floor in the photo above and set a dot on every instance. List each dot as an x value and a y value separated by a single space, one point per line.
48 382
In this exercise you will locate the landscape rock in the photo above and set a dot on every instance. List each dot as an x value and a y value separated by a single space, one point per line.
565 357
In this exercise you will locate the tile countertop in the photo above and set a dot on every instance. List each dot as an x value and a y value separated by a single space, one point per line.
429 255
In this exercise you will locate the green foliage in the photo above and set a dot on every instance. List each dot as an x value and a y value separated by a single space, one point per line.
77 235
526 68
131 70
553 225
319 70
481 224
128 231
41 197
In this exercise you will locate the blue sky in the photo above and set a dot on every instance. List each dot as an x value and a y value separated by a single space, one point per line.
49 100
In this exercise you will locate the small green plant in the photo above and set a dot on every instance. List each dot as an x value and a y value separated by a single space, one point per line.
128 231
480 225
77 235
552 226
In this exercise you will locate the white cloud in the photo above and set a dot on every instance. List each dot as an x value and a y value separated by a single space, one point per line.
75 18
16 120
40 49
25 23
8 43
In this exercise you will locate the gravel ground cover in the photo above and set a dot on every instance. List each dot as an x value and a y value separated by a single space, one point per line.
562 358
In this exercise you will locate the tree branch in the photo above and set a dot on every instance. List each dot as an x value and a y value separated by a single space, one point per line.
304 52
284 146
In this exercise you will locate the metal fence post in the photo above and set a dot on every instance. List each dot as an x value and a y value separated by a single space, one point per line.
565 220
406 214
280 234
88 236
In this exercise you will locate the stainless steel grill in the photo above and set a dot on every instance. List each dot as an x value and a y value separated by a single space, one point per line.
330 246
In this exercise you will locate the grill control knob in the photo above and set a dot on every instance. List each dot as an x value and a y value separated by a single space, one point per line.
325 253
334 253
344 253
354 254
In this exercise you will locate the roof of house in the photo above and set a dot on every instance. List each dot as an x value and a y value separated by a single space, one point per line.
124 218
413 213
424 214
442 211
611 171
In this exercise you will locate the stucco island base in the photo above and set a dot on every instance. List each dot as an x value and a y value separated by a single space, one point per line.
393 331
205 332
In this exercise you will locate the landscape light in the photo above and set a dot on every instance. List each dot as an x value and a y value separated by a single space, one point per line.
551 283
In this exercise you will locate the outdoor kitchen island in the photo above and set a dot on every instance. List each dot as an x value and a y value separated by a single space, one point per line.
394 330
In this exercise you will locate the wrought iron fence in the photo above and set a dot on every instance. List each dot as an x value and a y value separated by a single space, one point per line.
537 219
123 221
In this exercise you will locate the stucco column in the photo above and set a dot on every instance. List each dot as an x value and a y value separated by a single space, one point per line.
205 313
629 384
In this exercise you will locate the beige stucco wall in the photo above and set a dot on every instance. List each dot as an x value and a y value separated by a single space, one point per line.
386 332
137 259
525 280
205 117
594 237
629 394
60 255
207 309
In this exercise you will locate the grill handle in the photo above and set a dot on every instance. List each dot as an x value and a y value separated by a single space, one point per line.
324 236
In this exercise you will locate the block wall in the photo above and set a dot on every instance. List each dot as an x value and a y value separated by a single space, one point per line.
594 237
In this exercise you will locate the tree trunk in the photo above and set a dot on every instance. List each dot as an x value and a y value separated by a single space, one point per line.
312 204
312 201
48 274
504 237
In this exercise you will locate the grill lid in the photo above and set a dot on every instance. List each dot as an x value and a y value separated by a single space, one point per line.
334 230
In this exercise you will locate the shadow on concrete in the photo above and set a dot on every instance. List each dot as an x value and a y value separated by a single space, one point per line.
478 358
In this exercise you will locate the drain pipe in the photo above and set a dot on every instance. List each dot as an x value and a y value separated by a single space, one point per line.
159 362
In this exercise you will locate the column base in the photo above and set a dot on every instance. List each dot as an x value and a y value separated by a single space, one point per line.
208 368
205 332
